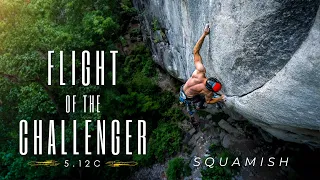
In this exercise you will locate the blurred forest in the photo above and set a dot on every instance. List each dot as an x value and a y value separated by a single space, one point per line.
31 28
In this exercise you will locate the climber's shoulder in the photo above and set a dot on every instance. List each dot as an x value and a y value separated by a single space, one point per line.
200 67
198 74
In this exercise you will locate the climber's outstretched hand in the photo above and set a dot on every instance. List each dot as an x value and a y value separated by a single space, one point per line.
223 98
207 29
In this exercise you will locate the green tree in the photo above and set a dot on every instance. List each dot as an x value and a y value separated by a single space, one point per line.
28 30
177 169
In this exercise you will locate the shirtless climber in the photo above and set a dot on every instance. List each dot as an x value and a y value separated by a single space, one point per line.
198 89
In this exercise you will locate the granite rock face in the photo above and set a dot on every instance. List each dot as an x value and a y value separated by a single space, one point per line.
266 54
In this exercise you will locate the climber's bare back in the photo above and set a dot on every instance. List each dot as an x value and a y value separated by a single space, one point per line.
196 84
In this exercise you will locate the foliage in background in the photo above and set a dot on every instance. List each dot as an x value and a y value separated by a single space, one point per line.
177 169
28 30
164 142
216 171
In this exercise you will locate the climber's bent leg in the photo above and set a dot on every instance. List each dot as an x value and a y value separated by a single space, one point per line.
190 107
201 102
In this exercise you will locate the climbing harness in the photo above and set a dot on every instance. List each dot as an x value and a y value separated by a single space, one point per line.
187 101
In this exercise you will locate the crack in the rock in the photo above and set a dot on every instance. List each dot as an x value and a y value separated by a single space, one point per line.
242 95
254 89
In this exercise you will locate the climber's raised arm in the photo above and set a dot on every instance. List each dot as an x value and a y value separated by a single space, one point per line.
196 51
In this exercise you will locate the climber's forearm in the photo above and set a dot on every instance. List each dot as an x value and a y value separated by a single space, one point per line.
214 100
198 45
